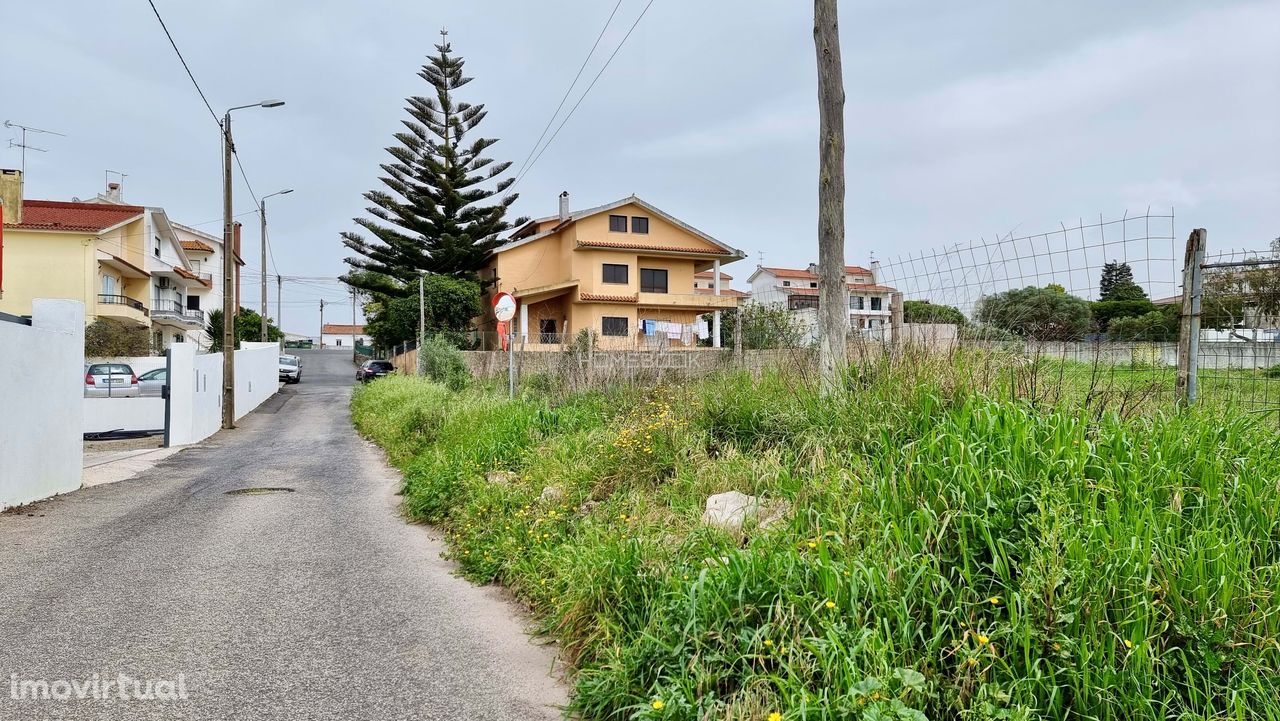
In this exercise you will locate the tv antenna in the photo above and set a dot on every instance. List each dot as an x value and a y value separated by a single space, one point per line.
22 143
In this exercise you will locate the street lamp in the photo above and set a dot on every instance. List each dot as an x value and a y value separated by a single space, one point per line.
228 268
262 213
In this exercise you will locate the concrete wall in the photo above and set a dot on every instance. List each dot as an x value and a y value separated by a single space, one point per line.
257 375
41 452
123 414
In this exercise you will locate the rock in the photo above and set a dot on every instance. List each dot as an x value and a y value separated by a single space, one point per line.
552 494
501 478
731 510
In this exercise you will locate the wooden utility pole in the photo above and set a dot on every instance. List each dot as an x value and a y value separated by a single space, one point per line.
833 316
322 322
1189 327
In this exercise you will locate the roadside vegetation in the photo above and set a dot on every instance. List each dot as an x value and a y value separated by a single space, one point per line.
948 554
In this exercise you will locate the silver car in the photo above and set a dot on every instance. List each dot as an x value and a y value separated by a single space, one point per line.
152 382
110 380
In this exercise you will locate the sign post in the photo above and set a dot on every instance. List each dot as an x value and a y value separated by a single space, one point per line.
504 309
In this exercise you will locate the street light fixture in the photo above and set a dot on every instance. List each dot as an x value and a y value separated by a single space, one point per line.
262 214
228 268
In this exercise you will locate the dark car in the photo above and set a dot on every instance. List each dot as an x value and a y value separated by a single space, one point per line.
374 369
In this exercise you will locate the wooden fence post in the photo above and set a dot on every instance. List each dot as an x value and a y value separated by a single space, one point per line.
895 321
1189 328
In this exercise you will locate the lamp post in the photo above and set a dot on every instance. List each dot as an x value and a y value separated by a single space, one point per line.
262 213
228 268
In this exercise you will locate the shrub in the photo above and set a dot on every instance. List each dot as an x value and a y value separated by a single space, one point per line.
113 338
1037 314
922 311
442 362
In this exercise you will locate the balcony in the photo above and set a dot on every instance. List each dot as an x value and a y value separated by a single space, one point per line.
122 307
171 312
694 301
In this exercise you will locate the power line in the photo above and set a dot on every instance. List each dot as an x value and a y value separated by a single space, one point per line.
569 90
550 140
184 62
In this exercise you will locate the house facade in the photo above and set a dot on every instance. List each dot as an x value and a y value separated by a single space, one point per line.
338 335
796 289
624 270
121 261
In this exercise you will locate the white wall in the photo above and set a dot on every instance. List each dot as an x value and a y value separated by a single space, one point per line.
195 388
257 375
41 451
123 414
331 340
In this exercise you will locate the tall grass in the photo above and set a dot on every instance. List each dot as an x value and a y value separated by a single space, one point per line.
950 554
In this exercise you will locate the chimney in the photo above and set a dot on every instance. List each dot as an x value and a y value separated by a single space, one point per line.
114 193
11 195
875 272
564 206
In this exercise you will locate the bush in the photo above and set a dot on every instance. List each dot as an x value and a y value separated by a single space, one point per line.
1037 314
442 362
922 311
112 338
948 554
1272 372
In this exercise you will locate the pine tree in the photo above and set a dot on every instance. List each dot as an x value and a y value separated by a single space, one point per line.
432 217
1117 283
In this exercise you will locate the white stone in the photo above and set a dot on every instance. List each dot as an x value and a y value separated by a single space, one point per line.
501 478
731 509
552 494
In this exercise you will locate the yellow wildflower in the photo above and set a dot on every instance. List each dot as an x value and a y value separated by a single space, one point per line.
830 604
775 716
982 639
994 600
768 642
812 544
1128 643
657 704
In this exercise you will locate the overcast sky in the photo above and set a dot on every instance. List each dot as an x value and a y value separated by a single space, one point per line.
964 120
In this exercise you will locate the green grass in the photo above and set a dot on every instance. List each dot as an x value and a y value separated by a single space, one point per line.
954 554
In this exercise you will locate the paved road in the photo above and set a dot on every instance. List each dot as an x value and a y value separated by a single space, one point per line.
317 604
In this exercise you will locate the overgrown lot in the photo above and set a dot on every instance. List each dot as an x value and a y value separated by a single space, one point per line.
948 555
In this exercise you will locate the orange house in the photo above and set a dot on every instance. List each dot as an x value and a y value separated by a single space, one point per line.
624 270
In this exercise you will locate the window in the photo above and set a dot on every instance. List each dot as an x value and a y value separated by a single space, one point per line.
337 341
856 302
615 273
617 223
786 283
653 280
156 248
616 326
639 224
193 302
108 285
547 330
875 303
813 285
179 338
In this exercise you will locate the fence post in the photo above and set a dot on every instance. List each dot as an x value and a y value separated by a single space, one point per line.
737 338
591 357
895 321
1189 328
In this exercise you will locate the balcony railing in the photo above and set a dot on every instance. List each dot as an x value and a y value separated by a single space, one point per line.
111 299
168 308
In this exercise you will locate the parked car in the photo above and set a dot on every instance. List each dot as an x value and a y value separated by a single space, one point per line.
290 368
110 380
152 382
374 369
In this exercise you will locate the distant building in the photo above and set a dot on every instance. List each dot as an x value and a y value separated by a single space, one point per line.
797 290
336 335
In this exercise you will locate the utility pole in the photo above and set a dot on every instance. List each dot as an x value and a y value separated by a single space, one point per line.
354 352
833 316
422 307
322 322
228 270
262 215
279 305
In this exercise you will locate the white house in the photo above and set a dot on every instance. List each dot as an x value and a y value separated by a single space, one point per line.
336 335
797 290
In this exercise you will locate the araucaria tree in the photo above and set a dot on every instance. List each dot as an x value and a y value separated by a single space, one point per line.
1117 283
438 212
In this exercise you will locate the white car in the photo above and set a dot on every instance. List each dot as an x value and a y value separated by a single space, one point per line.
110 380
290 369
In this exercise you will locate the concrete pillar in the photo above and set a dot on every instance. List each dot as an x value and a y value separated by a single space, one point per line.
524 323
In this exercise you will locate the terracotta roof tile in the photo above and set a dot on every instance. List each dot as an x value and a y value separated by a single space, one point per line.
707 274
724 292
627 245
790 273
73 217
602 298
339 329
197 245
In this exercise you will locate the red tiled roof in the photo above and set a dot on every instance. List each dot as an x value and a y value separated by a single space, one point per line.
626 245
192 276
339 329
197 245
856 270
711 275
852 286
790 273
601 298
73 217
728 292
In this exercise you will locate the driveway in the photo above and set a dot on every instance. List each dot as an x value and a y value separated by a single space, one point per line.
320 603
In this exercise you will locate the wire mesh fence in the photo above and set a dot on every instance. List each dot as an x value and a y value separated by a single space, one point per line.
1238 353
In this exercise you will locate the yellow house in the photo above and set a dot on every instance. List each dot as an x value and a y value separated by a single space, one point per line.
624 270
84 251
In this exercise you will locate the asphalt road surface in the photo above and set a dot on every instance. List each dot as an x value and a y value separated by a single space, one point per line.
321 603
